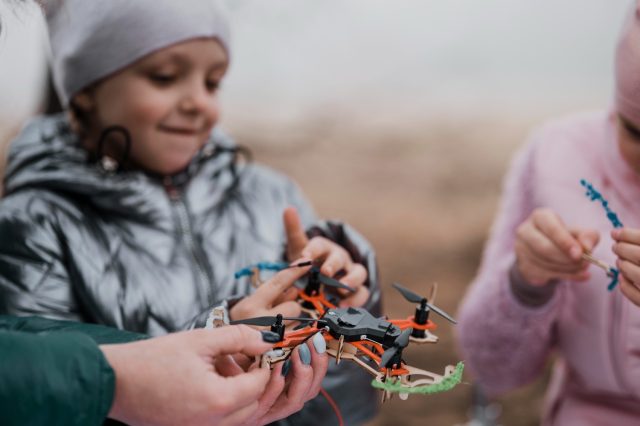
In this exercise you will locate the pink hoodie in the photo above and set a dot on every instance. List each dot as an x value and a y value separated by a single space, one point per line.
596 333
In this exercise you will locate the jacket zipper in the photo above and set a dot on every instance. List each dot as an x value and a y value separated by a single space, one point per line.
186 230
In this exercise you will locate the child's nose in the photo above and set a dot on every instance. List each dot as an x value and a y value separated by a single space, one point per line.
196 99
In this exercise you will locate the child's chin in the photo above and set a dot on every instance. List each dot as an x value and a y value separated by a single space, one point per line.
170 167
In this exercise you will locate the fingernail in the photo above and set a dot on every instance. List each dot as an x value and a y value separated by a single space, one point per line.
270 336
305 354
327 270
301 263
613 248
286 367
319 343
615 234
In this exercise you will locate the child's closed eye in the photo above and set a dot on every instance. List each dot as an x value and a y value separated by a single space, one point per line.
162 79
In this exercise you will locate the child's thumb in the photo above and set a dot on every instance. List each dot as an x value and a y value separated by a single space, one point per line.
588 238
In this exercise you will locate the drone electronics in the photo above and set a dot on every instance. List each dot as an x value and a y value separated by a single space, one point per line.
354 334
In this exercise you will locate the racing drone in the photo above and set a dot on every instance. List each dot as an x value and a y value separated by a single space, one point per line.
354 334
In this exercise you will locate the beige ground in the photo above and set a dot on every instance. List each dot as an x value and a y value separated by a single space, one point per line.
425 196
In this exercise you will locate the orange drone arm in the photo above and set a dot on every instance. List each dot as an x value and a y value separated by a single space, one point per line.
410 323
319 302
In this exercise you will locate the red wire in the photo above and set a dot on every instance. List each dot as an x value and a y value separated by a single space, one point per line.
333 405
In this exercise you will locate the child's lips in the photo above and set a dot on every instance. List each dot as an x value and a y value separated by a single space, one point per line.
185 131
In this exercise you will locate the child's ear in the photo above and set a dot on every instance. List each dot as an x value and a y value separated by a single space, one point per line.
84 101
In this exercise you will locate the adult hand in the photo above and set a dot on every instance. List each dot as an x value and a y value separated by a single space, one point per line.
547 250
172 380
627 248
334 258
274 296
286 395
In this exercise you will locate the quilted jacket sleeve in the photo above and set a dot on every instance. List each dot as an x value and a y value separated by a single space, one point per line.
33 276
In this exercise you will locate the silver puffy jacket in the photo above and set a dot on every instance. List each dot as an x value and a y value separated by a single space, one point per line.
81 244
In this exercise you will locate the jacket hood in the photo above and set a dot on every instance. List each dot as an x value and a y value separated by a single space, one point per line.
47 155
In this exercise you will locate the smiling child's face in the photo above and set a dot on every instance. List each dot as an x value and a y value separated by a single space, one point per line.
168 101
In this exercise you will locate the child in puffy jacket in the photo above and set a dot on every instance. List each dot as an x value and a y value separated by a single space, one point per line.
131 209
535 293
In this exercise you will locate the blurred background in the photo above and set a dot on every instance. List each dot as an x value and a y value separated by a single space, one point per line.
397 117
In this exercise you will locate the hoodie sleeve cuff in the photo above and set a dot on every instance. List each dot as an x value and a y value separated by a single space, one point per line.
528 294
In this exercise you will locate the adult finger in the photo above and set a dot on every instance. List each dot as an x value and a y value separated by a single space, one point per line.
319 364
226 366
296 236
301 378
231 340
274 389
292 400
240 416
273 288
239 391
554 229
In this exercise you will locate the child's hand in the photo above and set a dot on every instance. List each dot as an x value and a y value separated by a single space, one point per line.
334 258
275 296
546 249
627 248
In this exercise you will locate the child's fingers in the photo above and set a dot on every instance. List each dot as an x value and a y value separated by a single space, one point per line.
588 238
287 309
273 288
296 236
290 294
317 248
629 235
355 278
336 259
540 246
554 229
629 270
626 251
359 298
630 291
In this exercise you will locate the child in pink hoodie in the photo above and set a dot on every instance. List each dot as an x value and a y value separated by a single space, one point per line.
535 294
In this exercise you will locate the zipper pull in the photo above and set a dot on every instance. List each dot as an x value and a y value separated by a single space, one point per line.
172 191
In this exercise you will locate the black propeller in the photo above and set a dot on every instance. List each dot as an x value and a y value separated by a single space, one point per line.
266 321
393 355
333 283
415 298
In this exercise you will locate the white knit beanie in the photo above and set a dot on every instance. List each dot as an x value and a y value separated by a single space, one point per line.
91 39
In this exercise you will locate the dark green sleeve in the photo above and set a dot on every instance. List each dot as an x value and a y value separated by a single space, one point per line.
100 334
57 378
